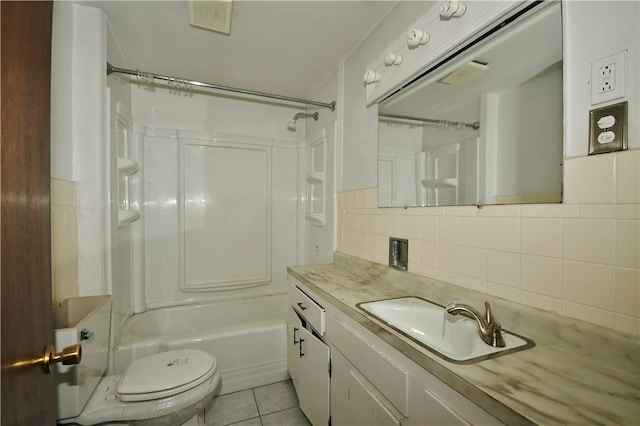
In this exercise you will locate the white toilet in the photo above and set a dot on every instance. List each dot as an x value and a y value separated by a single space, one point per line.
167 388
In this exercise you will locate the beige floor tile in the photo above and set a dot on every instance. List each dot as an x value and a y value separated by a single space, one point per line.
231 408
275 397
290 417
251 422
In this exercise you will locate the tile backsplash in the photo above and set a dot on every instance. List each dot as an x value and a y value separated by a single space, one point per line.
580 259
64 237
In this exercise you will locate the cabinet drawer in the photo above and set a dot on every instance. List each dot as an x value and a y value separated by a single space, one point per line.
308 308
390 378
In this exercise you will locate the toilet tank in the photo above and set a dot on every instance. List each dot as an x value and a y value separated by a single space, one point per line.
87 321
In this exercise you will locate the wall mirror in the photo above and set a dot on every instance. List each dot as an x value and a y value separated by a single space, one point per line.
483 127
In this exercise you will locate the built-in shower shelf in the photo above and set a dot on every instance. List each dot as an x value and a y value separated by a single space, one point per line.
440 183
315 178
126 217
127 166
315 218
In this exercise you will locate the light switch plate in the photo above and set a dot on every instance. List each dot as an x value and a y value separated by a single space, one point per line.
608 129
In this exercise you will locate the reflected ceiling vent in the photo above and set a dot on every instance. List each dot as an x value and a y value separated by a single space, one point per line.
212 15
465 73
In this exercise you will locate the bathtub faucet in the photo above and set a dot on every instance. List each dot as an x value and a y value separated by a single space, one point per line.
488 327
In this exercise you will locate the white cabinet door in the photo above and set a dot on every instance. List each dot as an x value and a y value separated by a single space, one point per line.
313 389
293 349
355 401
438 412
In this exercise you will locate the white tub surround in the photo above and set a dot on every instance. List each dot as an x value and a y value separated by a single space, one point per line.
209 219
577 373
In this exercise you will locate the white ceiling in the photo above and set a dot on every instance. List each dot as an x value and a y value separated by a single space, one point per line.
283 47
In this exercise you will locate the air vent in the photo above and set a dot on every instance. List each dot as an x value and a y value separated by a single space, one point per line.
212 15
465 73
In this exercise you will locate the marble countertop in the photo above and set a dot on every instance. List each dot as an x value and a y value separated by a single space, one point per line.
577 373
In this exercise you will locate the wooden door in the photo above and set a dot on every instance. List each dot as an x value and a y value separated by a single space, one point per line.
28 395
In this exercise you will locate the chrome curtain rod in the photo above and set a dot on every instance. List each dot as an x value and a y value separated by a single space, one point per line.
445 123
181 83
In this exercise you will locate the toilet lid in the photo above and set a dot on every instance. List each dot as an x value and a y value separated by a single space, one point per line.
165 374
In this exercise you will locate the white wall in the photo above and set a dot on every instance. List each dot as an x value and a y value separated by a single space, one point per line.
597 29
580 258
317 243
529 137
77 126
402 171
359 123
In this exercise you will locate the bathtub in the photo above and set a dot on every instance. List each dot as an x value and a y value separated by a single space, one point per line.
247 337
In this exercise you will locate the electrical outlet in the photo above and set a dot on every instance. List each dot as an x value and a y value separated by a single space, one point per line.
607 78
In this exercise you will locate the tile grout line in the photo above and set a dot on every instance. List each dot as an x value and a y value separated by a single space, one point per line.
255 401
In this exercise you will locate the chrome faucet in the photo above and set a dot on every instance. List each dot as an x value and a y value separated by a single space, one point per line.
489 329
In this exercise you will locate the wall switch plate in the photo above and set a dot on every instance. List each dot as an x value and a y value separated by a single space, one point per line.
607 78
608 129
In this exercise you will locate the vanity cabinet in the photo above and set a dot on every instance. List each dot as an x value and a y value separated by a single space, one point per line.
308 357
371 382
355 400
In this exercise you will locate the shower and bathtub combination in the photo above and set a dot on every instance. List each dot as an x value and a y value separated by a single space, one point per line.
202 202
202 227
208 236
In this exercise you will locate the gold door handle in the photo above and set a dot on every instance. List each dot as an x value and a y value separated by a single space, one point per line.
69 356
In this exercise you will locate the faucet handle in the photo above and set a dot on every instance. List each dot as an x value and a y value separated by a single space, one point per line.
495 329
488 315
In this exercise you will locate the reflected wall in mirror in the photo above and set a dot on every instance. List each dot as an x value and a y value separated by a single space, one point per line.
485 127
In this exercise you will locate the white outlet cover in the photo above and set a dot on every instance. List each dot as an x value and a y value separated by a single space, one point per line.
620 64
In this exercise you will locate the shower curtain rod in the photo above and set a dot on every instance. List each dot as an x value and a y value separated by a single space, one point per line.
446 123
181 83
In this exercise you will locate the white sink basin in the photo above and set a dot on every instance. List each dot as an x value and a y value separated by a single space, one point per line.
453 337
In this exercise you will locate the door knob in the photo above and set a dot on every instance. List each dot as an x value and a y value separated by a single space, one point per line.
69 356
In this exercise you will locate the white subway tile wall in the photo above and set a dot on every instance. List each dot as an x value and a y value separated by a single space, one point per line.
64 240
580 259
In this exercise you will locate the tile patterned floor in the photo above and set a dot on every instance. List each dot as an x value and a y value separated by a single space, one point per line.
270 405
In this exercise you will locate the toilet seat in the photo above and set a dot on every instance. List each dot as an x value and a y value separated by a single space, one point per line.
165 374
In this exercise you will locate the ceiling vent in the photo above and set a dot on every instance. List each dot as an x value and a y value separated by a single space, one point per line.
212 15
465 73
